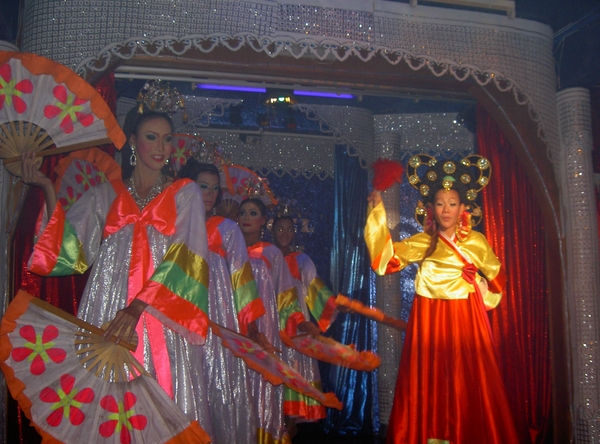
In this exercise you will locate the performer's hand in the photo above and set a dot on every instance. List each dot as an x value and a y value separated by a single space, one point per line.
374 198
310 328
262 340
122 327
31 175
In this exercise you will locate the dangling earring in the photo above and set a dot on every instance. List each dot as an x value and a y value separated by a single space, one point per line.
463 227
133 157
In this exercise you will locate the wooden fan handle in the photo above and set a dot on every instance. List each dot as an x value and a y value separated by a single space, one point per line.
62 149
78 322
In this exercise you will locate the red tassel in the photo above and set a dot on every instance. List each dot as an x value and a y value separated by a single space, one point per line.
386 173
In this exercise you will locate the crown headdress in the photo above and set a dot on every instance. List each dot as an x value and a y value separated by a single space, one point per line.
186 146
157 95
469 177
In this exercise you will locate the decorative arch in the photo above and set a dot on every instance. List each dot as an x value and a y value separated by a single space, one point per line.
316 61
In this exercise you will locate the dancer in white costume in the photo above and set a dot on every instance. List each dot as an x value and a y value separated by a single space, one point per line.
233 303
314 298
277 291
140 236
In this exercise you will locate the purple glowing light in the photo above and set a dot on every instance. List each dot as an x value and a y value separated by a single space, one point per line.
231 88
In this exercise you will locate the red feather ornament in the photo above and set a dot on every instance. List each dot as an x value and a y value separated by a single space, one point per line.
386 173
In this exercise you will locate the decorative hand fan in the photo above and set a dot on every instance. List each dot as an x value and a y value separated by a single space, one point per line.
73 384
82 170
184 147
242 184
369 312
329 350
44 103
270 366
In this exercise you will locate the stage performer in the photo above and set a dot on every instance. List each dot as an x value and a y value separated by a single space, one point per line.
277 291
314 297
148 253
449 387
233 303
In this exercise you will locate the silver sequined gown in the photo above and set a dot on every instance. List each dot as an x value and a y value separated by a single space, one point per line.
106 291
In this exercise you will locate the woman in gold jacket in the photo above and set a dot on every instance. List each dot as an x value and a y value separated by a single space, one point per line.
449 387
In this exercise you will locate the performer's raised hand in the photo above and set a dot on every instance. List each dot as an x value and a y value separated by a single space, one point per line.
374 198
31 175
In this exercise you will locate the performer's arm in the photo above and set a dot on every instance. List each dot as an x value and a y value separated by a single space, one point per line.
177 292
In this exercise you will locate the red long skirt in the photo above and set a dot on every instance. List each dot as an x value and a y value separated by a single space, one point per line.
449 387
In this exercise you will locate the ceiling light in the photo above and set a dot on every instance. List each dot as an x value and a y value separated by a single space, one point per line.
231 88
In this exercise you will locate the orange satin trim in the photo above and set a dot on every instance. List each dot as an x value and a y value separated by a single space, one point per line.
497 284
250 313
256 252
292 262
215 241
161 213
47 249
291 325
327 313
303 410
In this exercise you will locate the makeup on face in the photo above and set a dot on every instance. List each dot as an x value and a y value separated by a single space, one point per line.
250 219
153 143
210 185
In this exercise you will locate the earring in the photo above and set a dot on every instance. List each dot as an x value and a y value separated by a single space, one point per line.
133 157
463 227
167 162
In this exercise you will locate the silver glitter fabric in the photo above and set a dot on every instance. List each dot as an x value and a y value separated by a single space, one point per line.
272 277
106 291
583 279
233 411
306 366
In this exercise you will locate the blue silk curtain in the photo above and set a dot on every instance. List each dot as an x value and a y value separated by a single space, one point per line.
351 276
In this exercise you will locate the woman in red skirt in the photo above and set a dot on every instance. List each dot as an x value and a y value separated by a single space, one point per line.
449 388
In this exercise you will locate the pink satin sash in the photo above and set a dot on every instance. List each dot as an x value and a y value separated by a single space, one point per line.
160 213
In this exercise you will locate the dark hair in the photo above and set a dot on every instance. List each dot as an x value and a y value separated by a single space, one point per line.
133 123
259 203
280 218
192 170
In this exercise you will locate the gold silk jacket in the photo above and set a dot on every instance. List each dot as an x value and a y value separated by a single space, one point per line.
440 275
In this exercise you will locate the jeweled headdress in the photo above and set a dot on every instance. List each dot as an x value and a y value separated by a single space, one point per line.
157 95
468 176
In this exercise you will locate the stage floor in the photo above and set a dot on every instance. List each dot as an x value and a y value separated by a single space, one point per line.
313 434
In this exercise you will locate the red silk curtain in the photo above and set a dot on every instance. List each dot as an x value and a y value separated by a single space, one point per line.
514 227
62 292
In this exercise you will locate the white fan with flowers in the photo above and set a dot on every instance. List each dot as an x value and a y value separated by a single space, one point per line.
76 387
44 103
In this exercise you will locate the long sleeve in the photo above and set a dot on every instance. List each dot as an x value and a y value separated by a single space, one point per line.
177 291
388 256
226 240
290 314
69 242
318 297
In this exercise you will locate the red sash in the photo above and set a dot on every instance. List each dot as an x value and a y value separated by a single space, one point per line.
469 274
